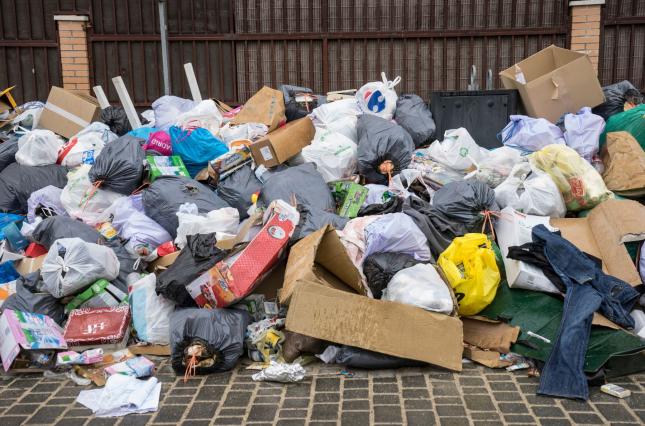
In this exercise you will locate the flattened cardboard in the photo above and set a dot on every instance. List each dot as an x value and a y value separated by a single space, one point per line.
283 143
321 258
67 113
163 262
604 232
624 161
376 325
486 334
266 107
557 81
488 358
155 350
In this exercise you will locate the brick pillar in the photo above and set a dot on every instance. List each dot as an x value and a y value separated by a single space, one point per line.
585 28
72 38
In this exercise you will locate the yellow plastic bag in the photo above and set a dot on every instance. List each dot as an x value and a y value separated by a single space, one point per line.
469 266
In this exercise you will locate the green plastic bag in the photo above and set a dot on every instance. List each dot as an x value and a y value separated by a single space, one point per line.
632 121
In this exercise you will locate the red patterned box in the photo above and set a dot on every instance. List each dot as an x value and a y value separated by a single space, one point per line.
97 326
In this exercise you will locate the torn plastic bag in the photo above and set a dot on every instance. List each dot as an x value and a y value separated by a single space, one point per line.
245 131
378 97
530 134
168 108
18 182
384 148
119 168
30 297
295 344
379 268
45 203
396 233
420 285
530 191
84 201
238 189
583 131
223 222
204 115
616 96
458 150
199 255
413 115
72 264
161 200
299 101
401 184
338 117
116 119
455 211
312 219
214 336
57 227
334 154
38 148
632 121
8 151
143 235
86 145
496 167
361 358
196 147
150 312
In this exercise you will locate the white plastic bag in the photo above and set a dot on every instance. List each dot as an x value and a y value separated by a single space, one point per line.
246 131
38 148
168 108
378 97
86 145
82 200
397 233
338 117
582 132
458 150
72 264
398 187
375 194
150 312
530 134
334 154
420 285
530 191
496 167
205 114
47 199
223 221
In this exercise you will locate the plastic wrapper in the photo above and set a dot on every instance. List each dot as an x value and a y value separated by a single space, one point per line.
280 372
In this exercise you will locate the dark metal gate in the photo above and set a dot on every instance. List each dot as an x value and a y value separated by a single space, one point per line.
622 49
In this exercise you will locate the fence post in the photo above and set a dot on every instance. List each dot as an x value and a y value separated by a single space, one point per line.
585 28
74 60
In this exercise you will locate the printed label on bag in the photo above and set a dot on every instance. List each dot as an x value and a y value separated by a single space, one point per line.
266 153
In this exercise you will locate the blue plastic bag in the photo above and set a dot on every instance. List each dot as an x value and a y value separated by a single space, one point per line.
142 132
196 147
8 218
8 272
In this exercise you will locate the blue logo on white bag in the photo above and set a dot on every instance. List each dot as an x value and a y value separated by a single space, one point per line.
375 101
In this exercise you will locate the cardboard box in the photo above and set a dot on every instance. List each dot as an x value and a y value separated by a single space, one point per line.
556 81
266 107
283 143
321 258
624 161
27 265
67 113
387 327
166 166
23 332
98 327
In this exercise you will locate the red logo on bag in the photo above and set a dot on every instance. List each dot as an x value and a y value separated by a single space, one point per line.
577 187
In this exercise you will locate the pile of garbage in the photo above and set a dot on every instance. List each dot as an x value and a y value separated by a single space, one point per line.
338 227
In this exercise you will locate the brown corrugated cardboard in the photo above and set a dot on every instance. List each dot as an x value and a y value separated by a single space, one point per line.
624 161
163 262
557 81
321 258
488 358
604 232
492 335
381 326
28 265
282 144
266 107
67 113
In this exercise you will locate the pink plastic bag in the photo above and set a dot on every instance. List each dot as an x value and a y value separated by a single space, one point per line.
159 142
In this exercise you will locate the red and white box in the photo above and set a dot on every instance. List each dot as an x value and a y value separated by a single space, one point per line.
91 327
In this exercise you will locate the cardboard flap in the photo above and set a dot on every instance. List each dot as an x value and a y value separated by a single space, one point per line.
624 161
299 130
489 335
332 256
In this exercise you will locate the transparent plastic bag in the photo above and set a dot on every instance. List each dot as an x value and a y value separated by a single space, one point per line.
38 148
420 285
458 150
496 167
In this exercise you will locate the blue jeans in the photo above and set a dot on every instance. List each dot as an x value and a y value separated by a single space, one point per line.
588 289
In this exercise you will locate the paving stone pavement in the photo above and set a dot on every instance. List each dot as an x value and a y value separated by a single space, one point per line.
421 396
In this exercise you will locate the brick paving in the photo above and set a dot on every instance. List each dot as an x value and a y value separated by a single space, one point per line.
421 396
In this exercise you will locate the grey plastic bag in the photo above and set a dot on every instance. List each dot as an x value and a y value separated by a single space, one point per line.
8 151
56 227
119 167
238 188
17 182
312 219
30 297
161 200
304 182
383 147
219 332
414 116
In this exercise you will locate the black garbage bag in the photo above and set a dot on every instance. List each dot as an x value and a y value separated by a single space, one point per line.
383 147
362 358
56 227
379 268
199 255
294 109
455 211
615 97
238 188
161 200
116 119
414 116
17 182
119 167
393 205
31 297
312 219
304 182
216 334
8 151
